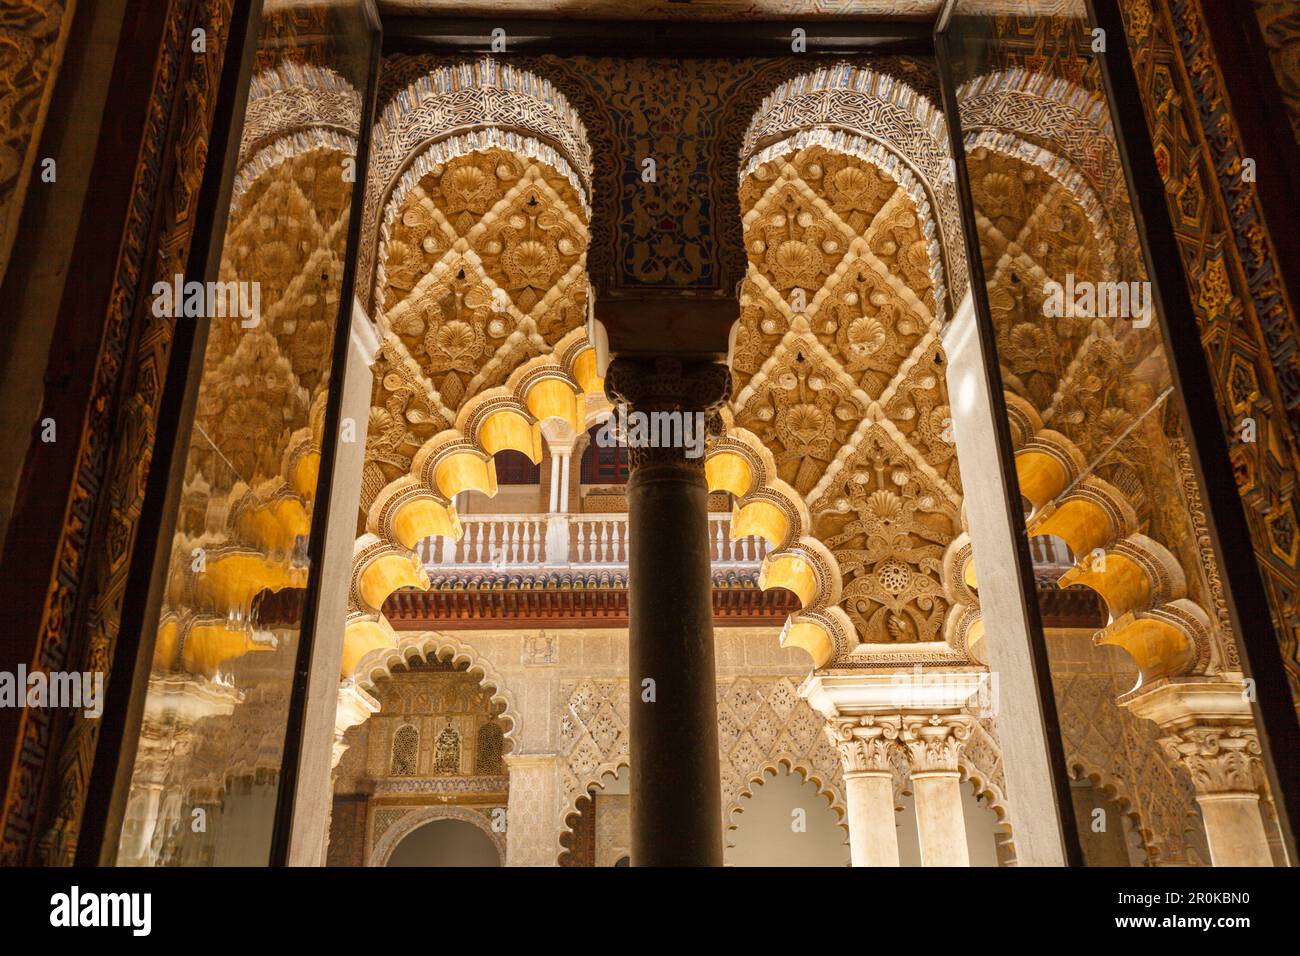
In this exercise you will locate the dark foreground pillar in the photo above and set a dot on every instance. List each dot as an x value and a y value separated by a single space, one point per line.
676 798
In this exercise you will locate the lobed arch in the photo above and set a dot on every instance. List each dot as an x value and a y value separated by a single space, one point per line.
1118 790
416 817
570 813
980 765
419 504
1140 580
1020 123
987 785
357 699
299 119
773 767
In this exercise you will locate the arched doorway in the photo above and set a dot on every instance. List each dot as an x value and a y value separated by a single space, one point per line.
445 843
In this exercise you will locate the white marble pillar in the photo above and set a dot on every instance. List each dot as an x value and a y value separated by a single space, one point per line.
555 483
532 814
933 745
864 744
1211 732
566 456
1222 762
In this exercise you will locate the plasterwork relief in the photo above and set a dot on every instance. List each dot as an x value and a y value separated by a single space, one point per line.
839 371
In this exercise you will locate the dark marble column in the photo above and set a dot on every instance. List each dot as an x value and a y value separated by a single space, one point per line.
676 798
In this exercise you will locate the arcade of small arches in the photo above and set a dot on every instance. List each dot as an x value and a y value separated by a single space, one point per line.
839 492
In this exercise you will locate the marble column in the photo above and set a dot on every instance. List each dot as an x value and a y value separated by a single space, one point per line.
564 482
1211 732
675 783
1223 762
933 745
864 744
560 445
555 483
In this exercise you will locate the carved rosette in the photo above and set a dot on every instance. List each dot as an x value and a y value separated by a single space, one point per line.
1219 759
865 743
933 744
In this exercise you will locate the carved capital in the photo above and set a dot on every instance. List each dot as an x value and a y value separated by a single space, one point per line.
864 743
933 744
696 390
1220 759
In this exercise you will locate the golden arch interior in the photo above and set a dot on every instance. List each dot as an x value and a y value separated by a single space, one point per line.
394 480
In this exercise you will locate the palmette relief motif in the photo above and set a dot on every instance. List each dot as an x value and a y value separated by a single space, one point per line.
888 527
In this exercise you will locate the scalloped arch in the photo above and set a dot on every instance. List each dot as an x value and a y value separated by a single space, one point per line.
771 768
378 663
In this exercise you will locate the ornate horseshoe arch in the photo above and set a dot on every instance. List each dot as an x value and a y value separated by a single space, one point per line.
416 817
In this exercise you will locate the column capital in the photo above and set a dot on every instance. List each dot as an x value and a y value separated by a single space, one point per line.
667 384
933 743
1208 728
865 742
1220 759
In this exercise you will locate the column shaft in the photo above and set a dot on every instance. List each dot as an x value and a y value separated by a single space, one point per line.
873 835
1234 829
564 484
675 784
555 483
676 788
940 820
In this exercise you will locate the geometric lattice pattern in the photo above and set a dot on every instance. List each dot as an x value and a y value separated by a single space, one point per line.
839 370
762 725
